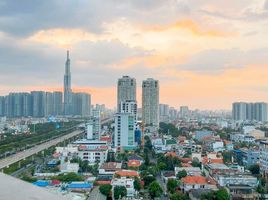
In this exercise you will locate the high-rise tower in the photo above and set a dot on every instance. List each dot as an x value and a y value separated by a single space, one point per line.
150 102
67 88
126 90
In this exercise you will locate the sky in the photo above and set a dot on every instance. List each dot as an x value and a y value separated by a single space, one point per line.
205 53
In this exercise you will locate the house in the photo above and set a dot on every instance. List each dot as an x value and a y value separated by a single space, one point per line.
197 182
128 183
109 168
191 171
213 168
127 173
166 175
134 163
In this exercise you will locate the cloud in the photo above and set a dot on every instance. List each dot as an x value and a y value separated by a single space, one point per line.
218 60
192 27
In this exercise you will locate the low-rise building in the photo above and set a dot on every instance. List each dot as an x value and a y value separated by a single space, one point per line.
236 179
191 171
197 182
128 183
109 168
264 158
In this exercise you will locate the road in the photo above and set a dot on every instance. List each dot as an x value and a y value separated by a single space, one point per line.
34 150
96 195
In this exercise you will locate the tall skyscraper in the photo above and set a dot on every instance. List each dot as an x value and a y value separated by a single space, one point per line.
126 90
57 107
39 103
81 104
2 106
239 111
250 111
163 112
67 88
150 102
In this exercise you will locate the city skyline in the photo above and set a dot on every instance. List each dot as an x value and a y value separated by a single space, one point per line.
206 55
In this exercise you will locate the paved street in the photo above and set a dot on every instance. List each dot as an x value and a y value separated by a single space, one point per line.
29 152
96 195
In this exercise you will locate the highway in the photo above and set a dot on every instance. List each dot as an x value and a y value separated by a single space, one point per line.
34 150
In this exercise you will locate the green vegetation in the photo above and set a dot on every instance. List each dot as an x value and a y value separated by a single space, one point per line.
181 174
148 179
172 184
137 184
178 196
70 177
221 194
227 156
85 167
155 190
43 132
16 166
167 162
255 169
169 129
28 179
120 192
105 189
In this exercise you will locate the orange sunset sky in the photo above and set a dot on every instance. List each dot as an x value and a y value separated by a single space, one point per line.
205 53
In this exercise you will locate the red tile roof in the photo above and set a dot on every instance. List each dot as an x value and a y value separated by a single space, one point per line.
172 154
128 173
215 160
103 182
194 180
134 163
185 160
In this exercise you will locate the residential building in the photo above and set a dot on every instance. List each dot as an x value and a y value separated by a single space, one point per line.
124 131
128 183
264 158
163 112
236 179
250 111
126 90
150 102
197 182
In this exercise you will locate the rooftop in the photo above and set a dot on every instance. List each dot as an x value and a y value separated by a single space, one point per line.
16 189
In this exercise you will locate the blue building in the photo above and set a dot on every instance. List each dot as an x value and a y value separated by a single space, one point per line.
246 157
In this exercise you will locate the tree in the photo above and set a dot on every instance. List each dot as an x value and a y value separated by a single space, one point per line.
222 194
196 163
162 166
155 190
119 192
178 196
255 169
70 177
105 189
172 184
148 179
181 174
137 184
